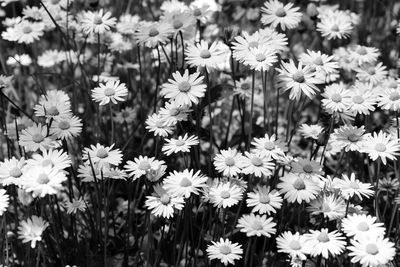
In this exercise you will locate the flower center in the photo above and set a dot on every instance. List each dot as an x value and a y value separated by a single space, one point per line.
205 54
229 161
102 153
280 12
358 99
363 227
43 178
177 24
253 44
354 185
153 32
245 86
394 96
353 138
260 57
295 245
185 182
184 86
318 61
109 92
55 2
336 98
224 249
173 111
268 145
27 29
264 199
97 20
361 51
144 165
165 199
37 138
53 111
299 77
371 71
225 194
380 147
47 162
392 84
308 168
256 161
335 28
64 125
197 12
299 184
257 225
323 237
372 249
15 172
179 142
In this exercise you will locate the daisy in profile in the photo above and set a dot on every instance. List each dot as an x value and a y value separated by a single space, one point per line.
364 54
102 156
293 244
163 204
264 201
275 13
66 128
153 34
186 89
261 58
373 73
256 225
174 112
335 25
225 251
389 99
363 99
75 206
298 79
329 206
225 194
57 159
97 22
312 131
297 188
112 91
336 98
142 165
35 137
269 146
42 181
159 125
185 183
349 137
325 243
31 230
11 170
229 162
372 251
4 200
381 145
202 55
181 144
257 164
359 225
350 186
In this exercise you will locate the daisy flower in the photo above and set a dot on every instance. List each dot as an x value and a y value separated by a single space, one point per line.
264 201
335 25
56 159
35 137
126 115
185 183
163 204
269 146
159 125
359 225
102 156
256 225
153 34
54 105
381 145
229 162
42 181
363 54
306 167
200 55
323 64
260 58
4 200
11 170
186 89
329 206
275 13
31 230
363 99
174 112
389 99
336 98
75 206
349 137
66 128
113 91
372 251
182 144
257 164
243 88
350 186
312 131
298 79
225 251
325 243
371 73
298 188
292 244
225 195
180 22
26 32
87 173
97 22
142 165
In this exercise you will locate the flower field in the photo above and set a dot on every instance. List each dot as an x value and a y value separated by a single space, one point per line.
199 133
